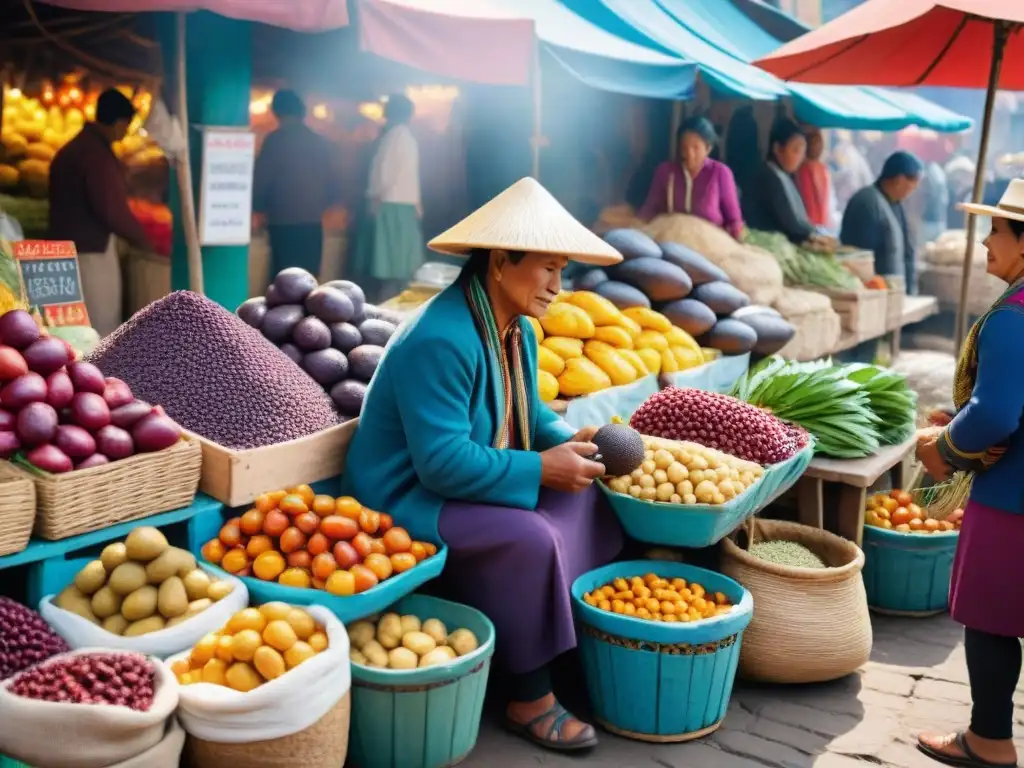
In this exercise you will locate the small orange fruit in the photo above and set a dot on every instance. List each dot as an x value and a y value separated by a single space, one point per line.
345 555
258 545
403 561
916 524
362 543
386 522
304 492
293 505
268 566
318 584
300 558
323 566
380 564
291 540
235 561
251 522
364 578
318 544
397 540
323 505
377 547
295 577
431 548
901 516
902 528
338 527
369 521
225 648
931 525
264 503
308 523
181 667
417 550
341 584
275 523
348 507
230 534
213 551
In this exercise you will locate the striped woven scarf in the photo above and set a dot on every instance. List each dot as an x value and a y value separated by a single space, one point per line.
515 400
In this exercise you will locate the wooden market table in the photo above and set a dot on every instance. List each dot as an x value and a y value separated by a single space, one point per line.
854 477
915 309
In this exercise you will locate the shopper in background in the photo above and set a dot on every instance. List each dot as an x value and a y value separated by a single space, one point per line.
875 219
296 181
852 171
89 206
390 247
814 181
695 184
934 203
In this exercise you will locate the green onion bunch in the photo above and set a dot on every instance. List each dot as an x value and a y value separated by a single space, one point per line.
892 401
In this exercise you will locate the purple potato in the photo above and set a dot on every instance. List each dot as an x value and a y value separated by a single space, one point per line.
354 293
253 311
280 321
348 395
294 284
310 334
345 336
293 352
326 366
363 361
376 332
330 304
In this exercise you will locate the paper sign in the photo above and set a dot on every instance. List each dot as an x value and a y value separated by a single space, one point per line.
52 280
225 194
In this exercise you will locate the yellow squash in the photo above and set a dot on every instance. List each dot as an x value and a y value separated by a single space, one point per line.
648 319
686 357
601 311
547 386
651 340
609 360
582 377
563 347
669 364
550 361
677 337
635 360
565 319
631 325
651 358
615 335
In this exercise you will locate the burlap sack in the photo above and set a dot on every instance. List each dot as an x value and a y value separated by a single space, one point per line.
57 735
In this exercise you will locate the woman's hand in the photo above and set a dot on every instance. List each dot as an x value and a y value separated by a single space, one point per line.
585 435
928 454
566 468
940 417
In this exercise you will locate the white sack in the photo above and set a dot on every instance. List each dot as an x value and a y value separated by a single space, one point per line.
166 754
290 704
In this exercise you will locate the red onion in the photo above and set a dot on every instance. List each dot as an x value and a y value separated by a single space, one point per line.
25 639
117 679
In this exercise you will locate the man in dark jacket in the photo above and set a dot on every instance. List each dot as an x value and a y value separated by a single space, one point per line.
89 206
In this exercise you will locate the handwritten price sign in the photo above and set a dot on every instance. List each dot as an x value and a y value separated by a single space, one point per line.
53 283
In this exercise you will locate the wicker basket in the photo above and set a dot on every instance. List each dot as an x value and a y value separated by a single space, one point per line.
17 509
943 282
90 499
810 625
323 745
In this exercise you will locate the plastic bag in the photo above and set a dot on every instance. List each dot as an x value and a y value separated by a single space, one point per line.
289 704
61 735
81 633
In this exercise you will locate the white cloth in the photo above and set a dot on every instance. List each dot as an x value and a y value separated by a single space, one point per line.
395 173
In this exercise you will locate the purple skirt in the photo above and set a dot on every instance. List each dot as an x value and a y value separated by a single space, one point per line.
517 566
985 589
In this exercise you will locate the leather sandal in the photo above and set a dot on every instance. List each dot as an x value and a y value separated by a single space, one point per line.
585 739
969 759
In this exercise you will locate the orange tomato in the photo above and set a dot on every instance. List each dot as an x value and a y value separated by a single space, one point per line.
235 521
345 555
295 577
251 522
945 526
916 524
931 525
291 540
323 505
403 561
300 558
276 496
902 528
363 544
417 550
338 527
903 498
431 548
901 516
348 507
293 505
386 522
377 546
318 544
213 551
308 523
258 545
268 566
275 523
324 565
264 503
397 540
304 492
231 535
341 583
235 561
318 584
915 510
369 520
363 578
380 565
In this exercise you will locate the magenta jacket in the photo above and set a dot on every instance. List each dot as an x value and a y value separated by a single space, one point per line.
711 194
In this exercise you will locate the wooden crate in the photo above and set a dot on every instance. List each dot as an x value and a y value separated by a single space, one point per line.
860 312
858 261
235 478
894 301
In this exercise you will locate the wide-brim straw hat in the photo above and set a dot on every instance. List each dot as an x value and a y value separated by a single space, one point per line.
1010 206
526 217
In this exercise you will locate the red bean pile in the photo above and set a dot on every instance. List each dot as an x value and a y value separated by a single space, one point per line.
25 639
119 679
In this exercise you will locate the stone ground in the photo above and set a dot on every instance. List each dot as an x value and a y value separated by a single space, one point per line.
916 680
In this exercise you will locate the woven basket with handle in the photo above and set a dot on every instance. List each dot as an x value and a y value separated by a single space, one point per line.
810 625
17 509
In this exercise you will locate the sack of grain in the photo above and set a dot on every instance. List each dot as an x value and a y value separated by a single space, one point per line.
751 269
617 217
949 248
818 326
794 303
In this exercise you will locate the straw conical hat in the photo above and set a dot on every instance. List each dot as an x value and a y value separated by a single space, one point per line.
525 217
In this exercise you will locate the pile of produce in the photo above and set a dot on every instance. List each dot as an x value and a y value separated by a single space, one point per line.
788 553
157 222
299 539
59 414
406 642
111 679
257 645
214 375
803 266
587 344
720 422
656 599
686 473
33 215
695 294
851 410
141 586
897 511
25 639
328 329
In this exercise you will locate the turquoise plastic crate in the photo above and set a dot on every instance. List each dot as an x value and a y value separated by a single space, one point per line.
207 526
660 682
10 762
424 718
701 525
908 573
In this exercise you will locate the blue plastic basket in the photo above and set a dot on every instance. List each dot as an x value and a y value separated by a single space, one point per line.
207 526
423 718
660 682
701 525
907 574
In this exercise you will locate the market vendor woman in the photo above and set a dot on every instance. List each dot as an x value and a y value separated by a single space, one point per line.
454 442
985 438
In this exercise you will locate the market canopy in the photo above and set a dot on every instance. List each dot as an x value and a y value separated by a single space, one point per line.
492 41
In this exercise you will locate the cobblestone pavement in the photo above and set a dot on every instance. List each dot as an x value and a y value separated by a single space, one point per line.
916 680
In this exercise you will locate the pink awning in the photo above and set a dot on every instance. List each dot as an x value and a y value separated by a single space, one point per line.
473 40
302 15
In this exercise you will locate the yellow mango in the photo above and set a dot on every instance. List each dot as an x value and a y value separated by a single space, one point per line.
567 320
615 335
631 325
686 357
648 319
547 386
669 364
651 358
601 311
563 347
710 355
535 323
607 357
677 337
635 360
582 377
550 361
651 340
